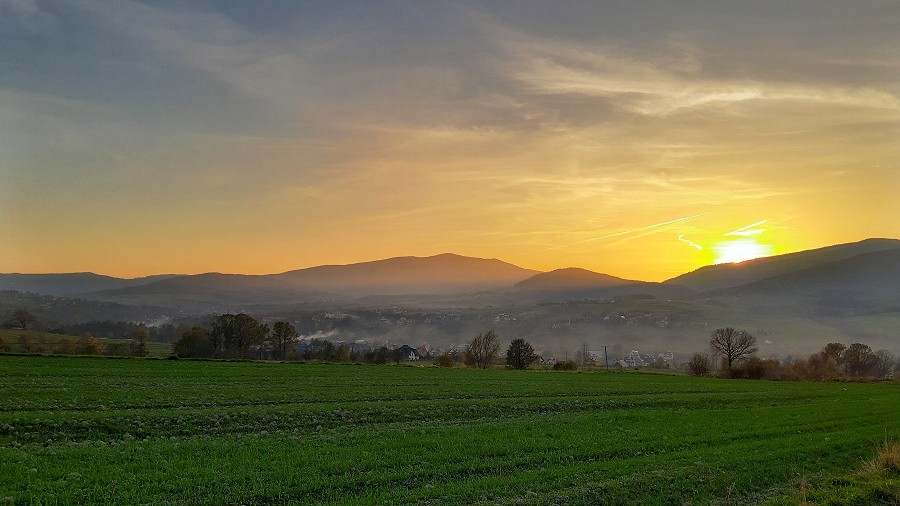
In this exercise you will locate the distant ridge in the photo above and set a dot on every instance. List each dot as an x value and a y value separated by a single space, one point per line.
71 284
211 291
442 273
435 275
460 280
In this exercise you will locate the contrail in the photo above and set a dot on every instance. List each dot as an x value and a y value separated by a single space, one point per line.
689 242
745 232
616 234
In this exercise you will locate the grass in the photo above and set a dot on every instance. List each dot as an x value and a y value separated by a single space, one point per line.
876 482
99 431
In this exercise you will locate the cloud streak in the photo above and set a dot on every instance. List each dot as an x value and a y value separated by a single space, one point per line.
632 231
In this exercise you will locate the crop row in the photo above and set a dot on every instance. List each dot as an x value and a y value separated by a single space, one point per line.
141 432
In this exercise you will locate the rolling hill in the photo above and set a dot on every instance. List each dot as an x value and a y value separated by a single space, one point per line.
713 277
71 284
796 303
445 273
574 283
868 283
211 292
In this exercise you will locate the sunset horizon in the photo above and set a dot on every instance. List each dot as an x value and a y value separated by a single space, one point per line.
738 254
643 141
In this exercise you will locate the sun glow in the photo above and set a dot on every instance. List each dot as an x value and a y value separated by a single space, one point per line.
740 250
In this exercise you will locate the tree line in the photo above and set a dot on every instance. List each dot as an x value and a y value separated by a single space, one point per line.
236 336
86 344
737 351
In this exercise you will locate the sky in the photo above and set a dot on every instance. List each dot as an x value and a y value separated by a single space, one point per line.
639 139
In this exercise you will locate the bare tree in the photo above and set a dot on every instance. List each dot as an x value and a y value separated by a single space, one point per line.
732 344
886 364
698 365
22 319
139 341
584 354
482 350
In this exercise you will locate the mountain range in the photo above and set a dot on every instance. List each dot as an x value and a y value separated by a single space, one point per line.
868 270
795 303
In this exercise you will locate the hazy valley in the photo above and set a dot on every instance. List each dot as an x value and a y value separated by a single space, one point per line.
795 303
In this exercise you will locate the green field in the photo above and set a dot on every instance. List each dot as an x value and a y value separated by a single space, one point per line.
101 431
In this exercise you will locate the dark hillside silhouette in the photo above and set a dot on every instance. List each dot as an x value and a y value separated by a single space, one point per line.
713 277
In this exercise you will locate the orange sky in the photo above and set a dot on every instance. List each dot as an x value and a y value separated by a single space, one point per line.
629 138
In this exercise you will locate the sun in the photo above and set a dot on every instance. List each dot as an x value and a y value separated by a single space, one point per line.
739 250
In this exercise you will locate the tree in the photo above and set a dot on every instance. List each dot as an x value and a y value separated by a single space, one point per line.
482 350
381 355
823 366
859 361
342 353
22 319
732 344
262 340
25 343
886 364
698 365
139 341
834 351
194 343
584 355
232 335
283 335
520 354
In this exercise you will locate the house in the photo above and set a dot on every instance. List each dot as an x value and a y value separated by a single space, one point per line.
407 353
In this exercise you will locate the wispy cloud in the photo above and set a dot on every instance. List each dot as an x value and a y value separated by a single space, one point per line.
436 125
662 82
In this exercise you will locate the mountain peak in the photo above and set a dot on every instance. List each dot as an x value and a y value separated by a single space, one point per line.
571 277
442 273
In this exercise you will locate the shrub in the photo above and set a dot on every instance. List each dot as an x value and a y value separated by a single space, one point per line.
887 459
698 365
444 360
25 344
567 365
65 347
758 368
